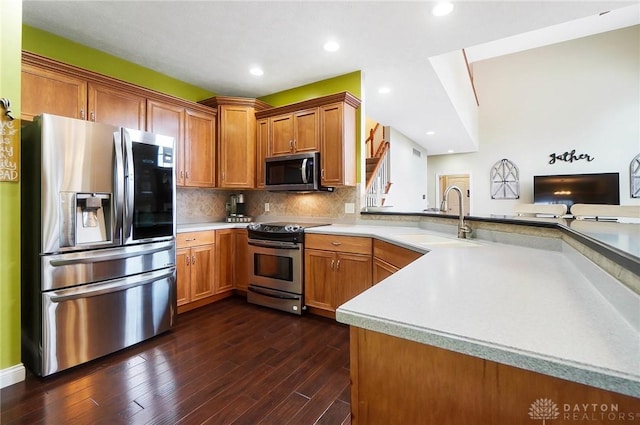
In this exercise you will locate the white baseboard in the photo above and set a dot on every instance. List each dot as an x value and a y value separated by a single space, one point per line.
12 375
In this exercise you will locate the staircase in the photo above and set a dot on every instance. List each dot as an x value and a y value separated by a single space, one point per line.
377 172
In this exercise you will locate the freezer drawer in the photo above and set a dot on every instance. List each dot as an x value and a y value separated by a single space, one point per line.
83 323
77 268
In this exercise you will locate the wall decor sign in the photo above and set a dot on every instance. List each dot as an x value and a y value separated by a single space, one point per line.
9 144
634 173
505 180
569 157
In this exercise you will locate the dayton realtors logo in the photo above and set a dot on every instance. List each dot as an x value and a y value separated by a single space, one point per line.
546 409
543 408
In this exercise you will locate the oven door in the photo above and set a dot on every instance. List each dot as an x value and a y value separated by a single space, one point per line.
276 265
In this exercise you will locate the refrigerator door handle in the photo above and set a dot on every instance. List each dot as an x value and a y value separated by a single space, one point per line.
95 258
109 287
129 187
119 183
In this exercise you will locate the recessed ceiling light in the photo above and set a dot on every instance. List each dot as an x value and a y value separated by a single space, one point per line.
450 151
430 133
331 46
384 90
443 8
257 71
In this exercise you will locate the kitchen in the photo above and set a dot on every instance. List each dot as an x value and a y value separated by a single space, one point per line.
212 202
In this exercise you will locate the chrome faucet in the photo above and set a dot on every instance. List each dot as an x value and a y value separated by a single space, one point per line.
463 229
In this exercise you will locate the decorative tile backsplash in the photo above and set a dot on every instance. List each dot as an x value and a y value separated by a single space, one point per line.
205 205
196 205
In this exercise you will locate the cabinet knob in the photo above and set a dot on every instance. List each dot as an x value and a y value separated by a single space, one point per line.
332 264
93 116
181 174
322 173
186 175
190 240
82 113
336 243
188 260
193 259
338 265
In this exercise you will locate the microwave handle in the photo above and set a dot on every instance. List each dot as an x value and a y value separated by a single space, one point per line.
305 180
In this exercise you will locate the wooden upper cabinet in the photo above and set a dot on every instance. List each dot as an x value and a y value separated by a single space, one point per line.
237 147
306 131
281 137
115 106
48 91
199 150
168 119
295 133
262 145
338 148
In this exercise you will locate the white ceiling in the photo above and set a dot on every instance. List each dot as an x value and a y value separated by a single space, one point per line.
212 44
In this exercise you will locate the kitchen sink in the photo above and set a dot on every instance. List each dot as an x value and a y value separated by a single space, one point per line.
433 240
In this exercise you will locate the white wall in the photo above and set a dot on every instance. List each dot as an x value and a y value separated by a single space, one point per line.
582 94
408 174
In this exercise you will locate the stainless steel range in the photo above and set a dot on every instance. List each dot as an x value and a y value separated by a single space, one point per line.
276 276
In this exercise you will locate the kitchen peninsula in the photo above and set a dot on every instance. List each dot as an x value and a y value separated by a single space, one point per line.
494 327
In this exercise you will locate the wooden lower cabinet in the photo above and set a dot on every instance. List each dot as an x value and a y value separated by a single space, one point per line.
389 258
397 381
195 259
382 270
337 268
241 263
224 260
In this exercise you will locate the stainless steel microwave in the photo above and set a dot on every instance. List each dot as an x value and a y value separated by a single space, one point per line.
294 173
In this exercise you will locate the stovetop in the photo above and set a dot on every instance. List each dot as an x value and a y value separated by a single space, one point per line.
283 227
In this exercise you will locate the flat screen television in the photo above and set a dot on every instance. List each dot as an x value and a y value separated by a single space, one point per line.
569 189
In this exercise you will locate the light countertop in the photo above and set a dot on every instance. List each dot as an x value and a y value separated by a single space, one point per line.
537 309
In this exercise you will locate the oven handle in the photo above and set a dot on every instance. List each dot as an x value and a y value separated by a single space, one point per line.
270 294
274 244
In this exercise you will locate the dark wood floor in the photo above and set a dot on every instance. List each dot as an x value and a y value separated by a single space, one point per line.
227 363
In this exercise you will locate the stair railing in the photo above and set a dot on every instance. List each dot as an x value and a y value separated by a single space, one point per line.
380 179
369 143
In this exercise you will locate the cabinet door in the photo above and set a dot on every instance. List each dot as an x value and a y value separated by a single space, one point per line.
281 140
307 131
117 107
382 270
241 264
199 142
319 278
183 275
45 91
262 145
338 144
237 147
168 120
224 260
353 276
202 271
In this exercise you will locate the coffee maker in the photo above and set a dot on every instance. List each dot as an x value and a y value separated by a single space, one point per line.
236 209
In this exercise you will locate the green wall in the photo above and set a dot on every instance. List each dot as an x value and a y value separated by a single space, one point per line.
51 46
351 82
10 35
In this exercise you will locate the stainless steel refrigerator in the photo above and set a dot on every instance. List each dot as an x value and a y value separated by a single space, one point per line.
98 240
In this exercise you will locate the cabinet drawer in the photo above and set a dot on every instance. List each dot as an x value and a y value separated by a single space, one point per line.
185 240
394 254
353 244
